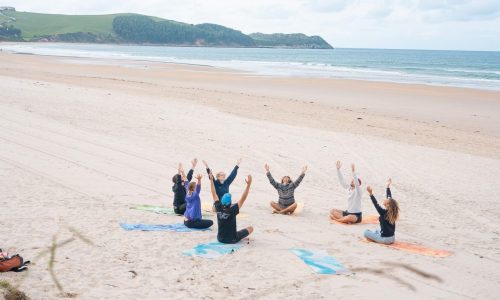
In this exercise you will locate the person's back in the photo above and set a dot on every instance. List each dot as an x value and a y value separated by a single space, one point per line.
193 201
226 220
387 229
179 189
388 216
226 215
193 217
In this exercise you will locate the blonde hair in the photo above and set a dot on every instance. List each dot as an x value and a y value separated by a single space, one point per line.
392 211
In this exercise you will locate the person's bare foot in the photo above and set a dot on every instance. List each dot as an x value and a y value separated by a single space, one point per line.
276 211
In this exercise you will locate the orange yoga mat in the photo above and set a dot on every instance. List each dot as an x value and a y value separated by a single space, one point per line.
413 248
370 219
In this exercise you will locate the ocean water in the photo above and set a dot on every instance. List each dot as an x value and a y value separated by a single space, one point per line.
469 69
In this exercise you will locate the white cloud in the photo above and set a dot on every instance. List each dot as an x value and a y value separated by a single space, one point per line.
422 24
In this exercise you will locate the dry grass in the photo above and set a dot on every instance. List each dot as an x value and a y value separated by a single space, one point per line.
12 293
51 251
388 273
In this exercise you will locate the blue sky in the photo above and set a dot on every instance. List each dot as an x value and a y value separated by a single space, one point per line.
414 24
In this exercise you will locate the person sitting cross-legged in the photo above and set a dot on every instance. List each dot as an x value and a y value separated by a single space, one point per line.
226 214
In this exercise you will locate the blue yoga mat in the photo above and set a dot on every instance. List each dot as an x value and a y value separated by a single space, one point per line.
177 227
213 249
320 261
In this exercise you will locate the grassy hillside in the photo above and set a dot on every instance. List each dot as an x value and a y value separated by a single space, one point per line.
293 40
35 24
140 29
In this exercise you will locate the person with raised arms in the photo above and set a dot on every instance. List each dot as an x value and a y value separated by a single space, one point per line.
353 213
193 217
286 192
227 212
179 189
388 217
222 183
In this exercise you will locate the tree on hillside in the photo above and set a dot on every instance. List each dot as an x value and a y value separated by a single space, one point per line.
9 33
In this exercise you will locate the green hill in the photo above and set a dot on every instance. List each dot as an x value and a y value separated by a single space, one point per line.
136 29
35 24
294 40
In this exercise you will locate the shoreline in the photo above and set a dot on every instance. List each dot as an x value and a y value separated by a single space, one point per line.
379 79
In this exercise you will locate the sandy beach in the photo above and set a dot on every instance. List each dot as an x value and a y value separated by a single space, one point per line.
83 140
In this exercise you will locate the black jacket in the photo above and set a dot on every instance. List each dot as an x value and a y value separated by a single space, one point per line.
386 229
223 188
179 189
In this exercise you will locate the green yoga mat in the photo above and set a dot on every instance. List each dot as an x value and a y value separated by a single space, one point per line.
161 210
156 209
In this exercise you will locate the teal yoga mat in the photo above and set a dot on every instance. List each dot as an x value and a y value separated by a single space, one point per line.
320 261
213 249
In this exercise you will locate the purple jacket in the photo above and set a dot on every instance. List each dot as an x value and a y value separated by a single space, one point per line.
193 208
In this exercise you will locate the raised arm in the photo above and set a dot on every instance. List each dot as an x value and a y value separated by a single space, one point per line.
212 188
339 175
270 177
206 166
379 209
198 184
299 180
388 189
180 170
178 177
191 171
190 175
234 172
245 193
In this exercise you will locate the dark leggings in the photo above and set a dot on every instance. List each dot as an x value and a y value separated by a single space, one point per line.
239 236
198 224
180 210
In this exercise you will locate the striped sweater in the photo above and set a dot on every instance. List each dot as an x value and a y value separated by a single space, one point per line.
285 191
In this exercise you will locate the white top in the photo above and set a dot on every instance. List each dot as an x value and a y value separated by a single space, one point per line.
353 195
